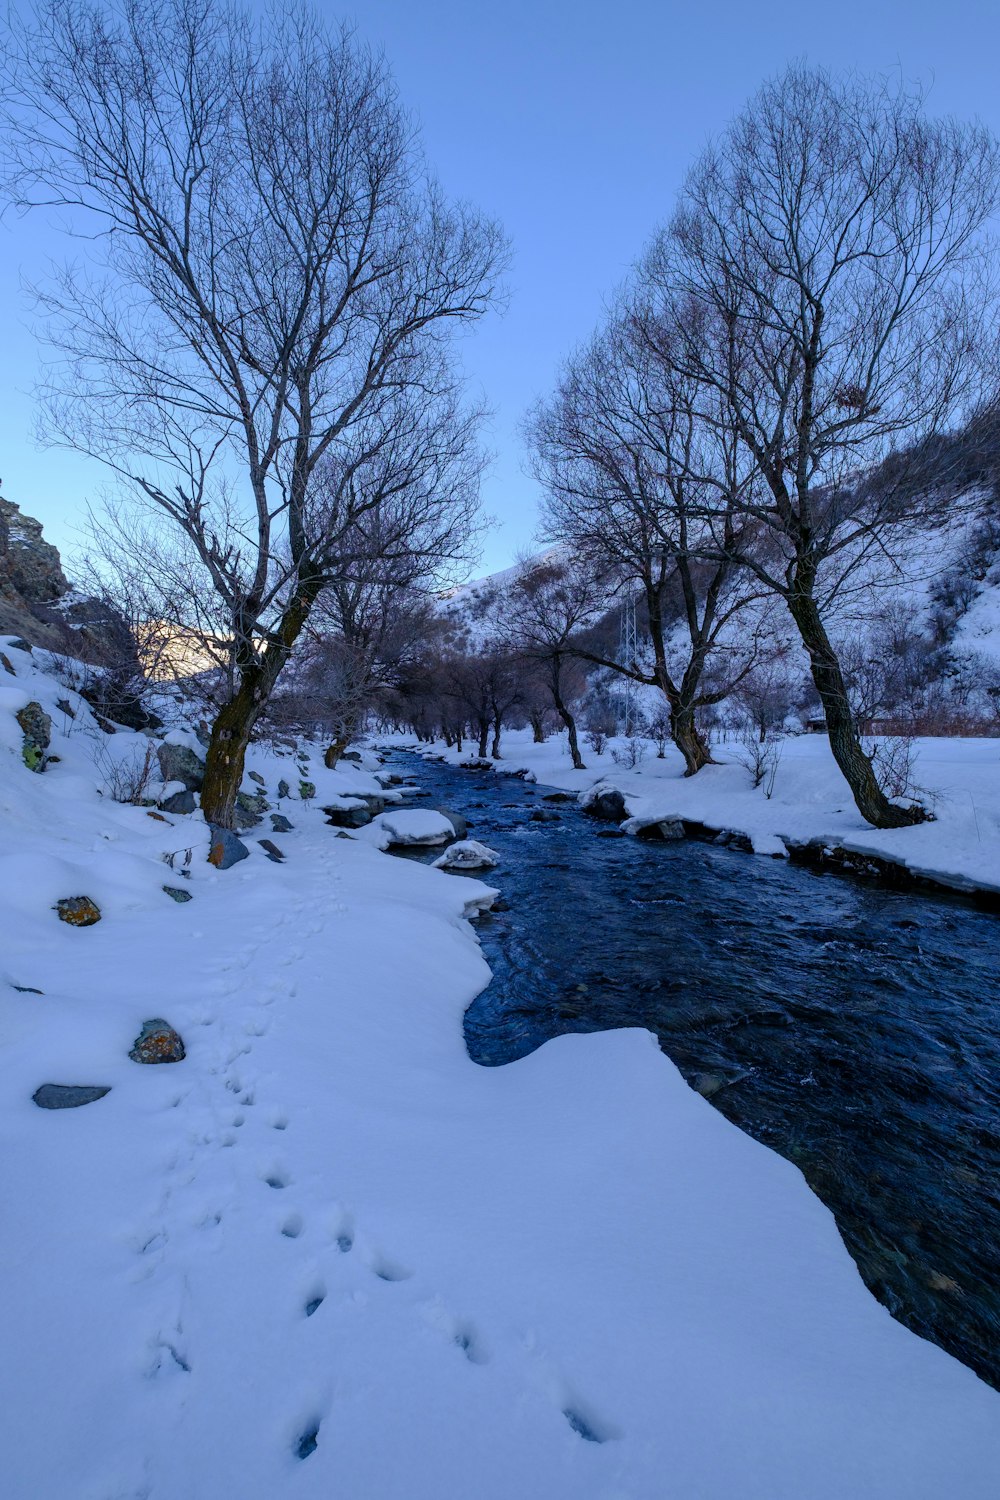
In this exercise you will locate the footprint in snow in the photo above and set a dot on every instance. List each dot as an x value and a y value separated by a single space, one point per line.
293 1226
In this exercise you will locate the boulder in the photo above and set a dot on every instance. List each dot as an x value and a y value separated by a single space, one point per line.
78 911
668 830
178 763
225 849
36 727
307 789
604 802
256 776
558 797
468 854
180 802
157 1042
280 824
348 817
68 1095
284 790
456 820
272 851
417 826
544 815
354 755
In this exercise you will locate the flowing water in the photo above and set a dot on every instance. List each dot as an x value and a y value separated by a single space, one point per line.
853 1029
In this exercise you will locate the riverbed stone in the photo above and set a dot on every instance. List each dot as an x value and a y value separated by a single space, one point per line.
605 802
157 1042
280 824
348 817
544 815
69 1095
456 820
78 911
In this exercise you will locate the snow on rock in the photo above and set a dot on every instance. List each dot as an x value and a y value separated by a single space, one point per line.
326 1254
468 854
418 825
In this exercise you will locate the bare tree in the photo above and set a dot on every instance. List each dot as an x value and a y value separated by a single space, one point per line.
639 485
826 285
547 605
279 275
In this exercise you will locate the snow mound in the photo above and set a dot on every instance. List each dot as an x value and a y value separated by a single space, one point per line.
411 826
468 854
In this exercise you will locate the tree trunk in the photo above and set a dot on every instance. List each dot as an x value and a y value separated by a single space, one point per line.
537 732
458 740
570 723
684 733
334 751
235 720
872 803
495 752
484 734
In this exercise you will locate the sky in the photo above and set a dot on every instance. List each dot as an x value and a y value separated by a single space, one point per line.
573 124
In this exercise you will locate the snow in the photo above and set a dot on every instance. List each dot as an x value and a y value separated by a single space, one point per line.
810 800
467 854
327 1226
410 826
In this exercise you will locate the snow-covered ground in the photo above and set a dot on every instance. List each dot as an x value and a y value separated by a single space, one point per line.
327 1255
960 778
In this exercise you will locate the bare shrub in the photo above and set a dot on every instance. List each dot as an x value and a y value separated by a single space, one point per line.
631 754
127 779
760 755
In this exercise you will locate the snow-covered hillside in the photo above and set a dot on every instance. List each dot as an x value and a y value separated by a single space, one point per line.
327 1254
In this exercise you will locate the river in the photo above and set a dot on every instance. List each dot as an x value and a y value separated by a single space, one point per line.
853 1029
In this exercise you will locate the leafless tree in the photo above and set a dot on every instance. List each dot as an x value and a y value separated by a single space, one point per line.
826 285
638 485
545 607
279 276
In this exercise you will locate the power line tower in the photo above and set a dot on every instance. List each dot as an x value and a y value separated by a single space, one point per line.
627 652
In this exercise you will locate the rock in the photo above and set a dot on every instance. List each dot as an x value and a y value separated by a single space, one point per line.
668 831
65 707
178 893
284 790
272 851
178 763
36 726
245 820
307 789
558 797
78 911
374 804
348 817
544 815
225 849
604 802
180 802
354 755
280 824
610 833
256 776
417 826
250 809
456 820
68 1095
468 854
203 734
5 662
160 818
157 1042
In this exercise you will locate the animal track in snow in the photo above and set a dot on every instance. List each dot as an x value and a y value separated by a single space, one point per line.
315 1299
275 1177
293 1226
308 1441
389 1270
278 1122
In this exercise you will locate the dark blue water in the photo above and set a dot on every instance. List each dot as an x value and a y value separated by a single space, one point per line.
853 1029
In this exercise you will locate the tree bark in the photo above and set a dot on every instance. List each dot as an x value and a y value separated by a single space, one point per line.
495 751
484 734
684 733
563 711
872 803
236 718
537 732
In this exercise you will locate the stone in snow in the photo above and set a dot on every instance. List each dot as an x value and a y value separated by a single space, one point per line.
157 1042
68 1095
180 802
78 911
468 854
280 824
178 763
225 849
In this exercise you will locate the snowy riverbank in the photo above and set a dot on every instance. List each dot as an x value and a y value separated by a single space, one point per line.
327 1254
810 802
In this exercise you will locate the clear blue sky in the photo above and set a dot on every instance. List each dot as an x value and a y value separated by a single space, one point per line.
574 124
